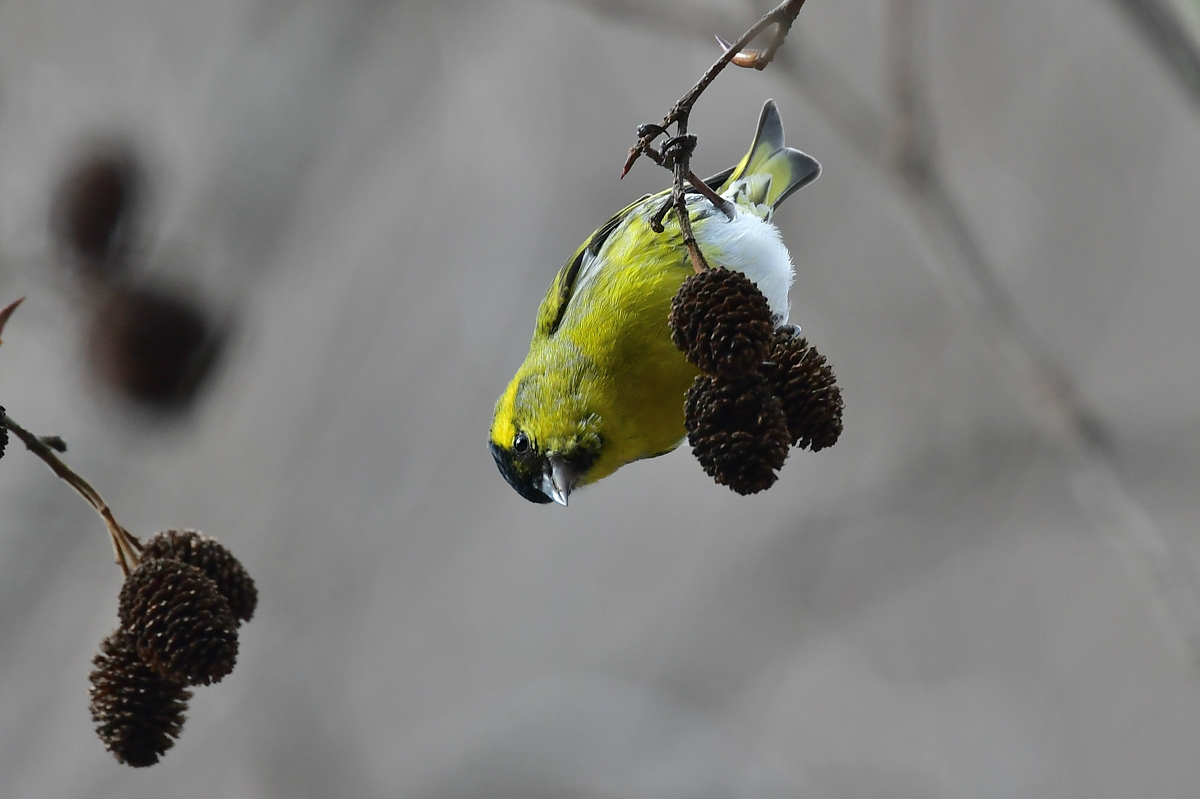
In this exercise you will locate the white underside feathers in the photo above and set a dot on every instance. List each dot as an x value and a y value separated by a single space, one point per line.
753 247
747 244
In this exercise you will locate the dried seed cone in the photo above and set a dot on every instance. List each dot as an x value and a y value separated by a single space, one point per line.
96 206
138 712
155 346
3 432
182 626
721 322
218 564
805 383
737 430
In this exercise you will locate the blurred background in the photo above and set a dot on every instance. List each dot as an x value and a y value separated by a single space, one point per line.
281 257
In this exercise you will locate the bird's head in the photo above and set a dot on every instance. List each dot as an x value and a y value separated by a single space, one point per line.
544 443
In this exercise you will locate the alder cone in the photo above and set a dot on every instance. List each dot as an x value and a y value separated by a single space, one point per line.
181 625
737 430
138 712
95 207
808 389
722 323
214 560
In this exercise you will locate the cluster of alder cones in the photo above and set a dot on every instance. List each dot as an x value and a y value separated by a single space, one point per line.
154 345
762 390
179 611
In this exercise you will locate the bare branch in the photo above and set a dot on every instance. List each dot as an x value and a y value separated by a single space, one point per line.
1050 393
677 152
125 546
782 17
7 311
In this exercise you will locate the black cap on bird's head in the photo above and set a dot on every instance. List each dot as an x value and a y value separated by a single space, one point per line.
523 472
543 446
537 476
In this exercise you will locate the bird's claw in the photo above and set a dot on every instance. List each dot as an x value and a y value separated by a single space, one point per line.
790 330
677 148
650 131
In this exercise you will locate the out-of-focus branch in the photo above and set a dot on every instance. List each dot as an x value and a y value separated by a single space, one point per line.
910 160
1168 36
125 546
1049 390
901 145
681 18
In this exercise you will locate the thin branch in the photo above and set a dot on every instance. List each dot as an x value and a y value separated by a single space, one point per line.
125 546
782 16
723 205
7 311
679 200
706 191
677 152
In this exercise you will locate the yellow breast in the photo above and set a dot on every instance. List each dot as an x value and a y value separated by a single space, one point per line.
636 379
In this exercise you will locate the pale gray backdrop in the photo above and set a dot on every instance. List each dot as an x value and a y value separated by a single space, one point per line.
987 589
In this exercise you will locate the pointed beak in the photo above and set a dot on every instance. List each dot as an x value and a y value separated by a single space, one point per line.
558 480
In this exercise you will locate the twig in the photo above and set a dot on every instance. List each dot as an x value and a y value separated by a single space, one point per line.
7 311
782 16
125 546
725 206
679 200
677 152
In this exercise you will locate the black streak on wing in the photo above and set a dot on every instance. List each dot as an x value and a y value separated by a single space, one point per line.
718 180
570 272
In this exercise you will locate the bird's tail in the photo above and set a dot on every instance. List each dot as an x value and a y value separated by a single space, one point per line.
769 173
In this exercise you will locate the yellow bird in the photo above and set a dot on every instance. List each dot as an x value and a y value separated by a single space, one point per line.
603 385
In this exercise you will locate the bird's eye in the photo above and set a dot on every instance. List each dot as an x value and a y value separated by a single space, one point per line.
521 444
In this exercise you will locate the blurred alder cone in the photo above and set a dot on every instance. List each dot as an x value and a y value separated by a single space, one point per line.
154 347
95 209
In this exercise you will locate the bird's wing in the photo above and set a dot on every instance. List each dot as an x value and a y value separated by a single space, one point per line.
558 297
717 181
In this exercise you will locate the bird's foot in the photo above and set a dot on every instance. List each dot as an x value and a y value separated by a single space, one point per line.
678 147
